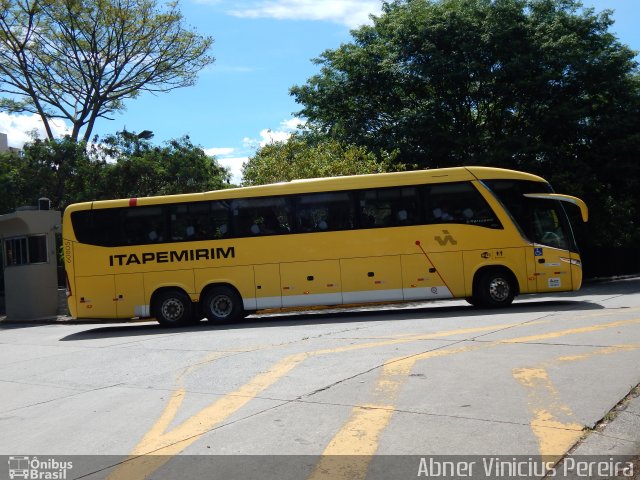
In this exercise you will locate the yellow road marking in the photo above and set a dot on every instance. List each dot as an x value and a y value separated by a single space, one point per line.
358 438
163 443
602 351
572 331
357 441
554 436
211 357
392 378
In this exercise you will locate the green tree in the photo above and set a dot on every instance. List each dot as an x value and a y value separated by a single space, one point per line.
79 60
60 170
536 85
125 165
141 169
298 158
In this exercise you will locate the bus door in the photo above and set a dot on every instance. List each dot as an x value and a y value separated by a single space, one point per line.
550 272
550 258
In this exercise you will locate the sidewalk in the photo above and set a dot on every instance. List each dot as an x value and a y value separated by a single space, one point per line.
616 436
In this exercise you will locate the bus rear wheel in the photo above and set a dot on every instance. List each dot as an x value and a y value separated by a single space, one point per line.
222 304
494 289
172 308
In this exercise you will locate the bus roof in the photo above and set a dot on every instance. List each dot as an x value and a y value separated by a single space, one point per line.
351 182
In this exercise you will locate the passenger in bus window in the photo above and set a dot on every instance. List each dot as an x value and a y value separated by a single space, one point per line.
269 224
441 214
222 231
155 235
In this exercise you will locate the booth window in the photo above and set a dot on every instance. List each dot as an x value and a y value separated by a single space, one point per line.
25 250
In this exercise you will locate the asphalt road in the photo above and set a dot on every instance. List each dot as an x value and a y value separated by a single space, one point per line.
337 389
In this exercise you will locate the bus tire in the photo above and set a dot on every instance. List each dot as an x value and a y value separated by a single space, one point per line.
222 304
495 288
172 308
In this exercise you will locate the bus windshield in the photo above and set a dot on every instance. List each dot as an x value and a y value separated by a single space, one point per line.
541 221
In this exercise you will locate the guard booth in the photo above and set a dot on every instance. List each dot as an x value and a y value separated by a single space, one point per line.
29 262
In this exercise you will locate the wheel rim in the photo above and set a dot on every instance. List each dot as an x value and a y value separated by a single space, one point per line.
499 289
221 306
172 309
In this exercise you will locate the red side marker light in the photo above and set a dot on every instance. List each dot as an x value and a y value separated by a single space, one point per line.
133 202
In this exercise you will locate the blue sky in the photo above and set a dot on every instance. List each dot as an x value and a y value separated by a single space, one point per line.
262 48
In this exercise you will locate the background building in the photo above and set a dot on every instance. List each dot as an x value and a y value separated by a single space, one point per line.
4 145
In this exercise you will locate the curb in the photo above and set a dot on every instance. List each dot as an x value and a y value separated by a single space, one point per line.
615 438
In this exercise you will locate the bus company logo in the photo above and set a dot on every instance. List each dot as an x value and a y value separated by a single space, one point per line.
448 238
172 256
36 469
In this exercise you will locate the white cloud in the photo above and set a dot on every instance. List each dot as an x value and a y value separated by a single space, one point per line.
351 13
18 128
232 159
267 135
219 151
293 123
228 157
235 165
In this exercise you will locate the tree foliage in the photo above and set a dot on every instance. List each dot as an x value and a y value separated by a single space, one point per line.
535 85
298 158
59 170
79 60
142 169
126 165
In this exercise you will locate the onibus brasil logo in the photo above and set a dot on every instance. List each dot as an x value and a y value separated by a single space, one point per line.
38 469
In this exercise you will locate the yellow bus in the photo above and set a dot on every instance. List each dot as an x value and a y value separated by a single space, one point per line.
483 234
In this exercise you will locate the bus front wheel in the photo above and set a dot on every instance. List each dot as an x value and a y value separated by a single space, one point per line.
172 308
222 304
494 289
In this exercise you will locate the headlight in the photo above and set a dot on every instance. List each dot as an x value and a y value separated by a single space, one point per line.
572 261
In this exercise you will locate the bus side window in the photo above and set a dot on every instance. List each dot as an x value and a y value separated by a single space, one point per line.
458 202
179 222
311 214
319 212
219 220
388 207
260 216
199 227
144 225
199 221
